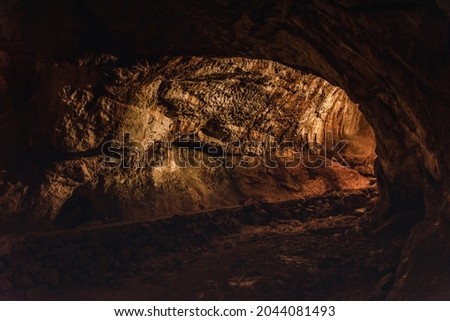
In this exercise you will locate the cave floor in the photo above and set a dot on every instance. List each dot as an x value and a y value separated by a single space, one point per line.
333 258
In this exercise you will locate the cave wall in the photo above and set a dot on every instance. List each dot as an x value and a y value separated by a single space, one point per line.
129 143
392 57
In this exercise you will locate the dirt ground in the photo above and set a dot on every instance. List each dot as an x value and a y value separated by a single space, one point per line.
333 258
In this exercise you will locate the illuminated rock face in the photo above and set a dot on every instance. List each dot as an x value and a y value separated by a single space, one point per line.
189 134
391 57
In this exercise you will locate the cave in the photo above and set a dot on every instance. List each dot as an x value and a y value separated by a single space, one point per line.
273 150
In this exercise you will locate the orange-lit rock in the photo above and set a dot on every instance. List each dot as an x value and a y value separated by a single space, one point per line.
219 102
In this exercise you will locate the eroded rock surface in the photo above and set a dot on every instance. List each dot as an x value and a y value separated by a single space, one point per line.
298 249
188 134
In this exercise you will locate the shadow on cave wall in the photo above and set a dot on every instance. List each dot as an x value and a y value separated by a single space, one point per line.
86 206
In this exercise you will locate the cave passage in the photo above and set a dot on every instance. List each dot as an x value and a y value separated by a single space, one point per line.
142 143
229 178
218 132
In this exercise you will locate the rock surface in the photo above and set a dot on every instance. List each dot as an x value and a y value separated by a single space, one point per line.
259 251
187 134
391 57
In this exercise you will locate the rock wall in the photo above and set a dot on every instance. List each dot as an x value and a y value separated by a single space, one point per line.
392 57
181 135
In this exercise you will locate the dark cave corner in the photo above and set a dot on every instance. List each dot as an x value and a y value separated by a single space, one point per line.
399 209
86 207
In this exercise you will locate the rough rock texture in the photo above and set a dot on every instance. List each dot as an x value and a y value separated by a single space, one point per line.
123 260
392 57
152 120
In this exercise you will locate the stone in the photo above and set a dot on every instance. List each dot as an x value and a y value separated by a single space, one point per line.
360 211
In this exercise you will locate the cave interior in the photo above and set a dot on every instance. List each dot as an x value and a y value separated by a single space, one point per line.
223 150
